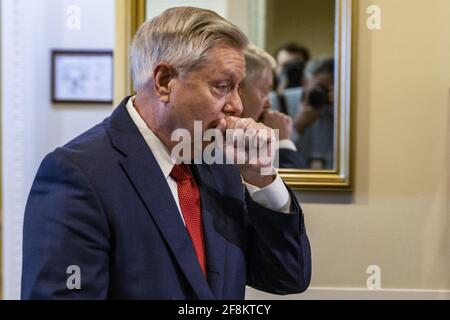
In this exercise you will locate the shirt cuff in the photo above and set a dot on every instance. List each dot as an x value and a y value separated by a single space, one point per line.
274 197
287 144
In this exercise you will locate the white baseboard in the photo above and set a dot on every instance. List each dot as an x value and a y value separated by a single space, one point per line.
353 294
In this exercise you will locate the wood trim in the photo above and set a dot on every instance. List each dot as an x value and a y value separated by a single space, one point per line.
130 14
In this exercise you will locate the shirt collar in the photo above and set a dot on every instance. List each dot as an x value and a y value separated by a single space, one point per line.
158 149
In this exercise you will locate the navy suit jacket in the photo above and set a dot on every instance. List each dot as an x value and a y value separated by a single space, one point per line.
290 159
102 204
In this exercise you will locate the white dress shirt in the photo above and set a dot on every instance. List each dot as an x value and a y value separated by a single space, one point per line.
274 196
287 144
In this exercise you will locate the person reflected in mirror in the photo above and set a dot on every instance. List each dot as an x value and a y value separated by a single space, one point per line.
291 59
314 121
254 93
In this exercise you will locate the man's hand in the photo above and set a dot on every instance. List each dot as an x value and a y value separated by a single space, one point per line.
254 143
277 120
306 117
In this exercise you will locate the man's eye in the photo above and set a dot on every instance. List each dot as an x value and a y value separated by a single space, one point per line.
223 88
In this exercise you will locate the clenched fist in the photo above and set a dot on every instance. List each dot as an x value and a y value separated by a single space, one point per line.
251 146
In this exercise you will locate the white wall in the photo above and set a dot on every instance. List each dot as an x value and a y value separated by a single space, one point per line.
31 125
249 15
156 7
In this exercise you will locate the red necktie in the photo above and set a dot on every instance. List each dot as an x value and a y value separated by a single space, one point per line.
189 198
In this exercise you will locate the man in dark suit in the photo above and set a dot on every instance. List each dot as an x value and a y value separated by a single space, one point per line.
254 93
112 214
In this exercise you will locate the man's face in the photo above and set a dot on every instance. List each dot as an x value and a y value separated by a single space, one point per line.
284 57
255 95
208 93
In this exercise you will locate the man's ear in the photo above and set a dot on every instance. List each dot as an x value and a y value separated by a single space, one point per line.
163 74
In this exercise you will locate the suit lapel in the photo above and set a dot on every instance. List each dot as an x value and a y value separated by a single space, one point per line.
215 243
149 182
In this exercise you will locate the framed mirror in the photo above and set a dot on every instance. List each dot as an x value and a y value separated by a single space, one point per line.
311 42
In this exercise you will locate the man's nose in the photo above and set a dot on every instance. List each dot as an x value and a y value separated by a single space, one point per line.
233 104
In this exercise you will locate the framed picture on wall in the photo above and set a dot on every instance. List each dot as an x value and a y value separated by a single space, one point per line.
82 76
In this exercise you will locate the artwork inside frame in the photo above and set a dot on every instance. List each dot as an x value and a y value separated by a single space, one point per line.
82 76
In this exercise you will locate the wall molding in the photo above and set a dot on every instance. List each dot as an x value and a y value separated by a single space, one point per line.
14 140
324 293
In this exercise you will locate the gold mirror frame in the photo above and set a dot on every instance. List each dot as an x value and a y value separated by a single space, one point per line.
130 14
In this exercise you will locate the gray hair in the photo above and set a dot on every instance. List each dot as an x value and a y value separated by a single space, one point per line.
257 61
180 36
320 65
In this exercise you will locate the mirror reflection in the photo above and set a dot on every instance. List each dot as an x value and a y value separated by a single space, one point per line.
290 72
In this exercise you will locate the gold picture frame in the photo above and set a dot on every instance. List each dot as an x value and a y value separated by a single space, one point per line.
130 14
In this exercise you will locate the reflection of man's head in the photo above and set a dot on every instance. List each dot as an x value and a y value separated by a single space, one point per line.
291 52
291 59
319 77
255 88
